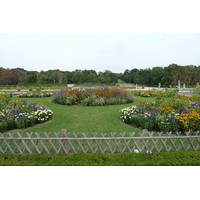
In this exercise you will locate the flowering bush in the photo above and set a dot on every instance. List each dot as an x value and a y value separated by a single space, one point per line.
36 94
4 99
180 113
93 97
147 93
93 100
156 93
20 114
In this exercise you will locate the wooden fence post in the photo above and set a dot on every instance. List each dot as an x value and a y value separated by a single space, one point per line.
63 142
66 141
145 133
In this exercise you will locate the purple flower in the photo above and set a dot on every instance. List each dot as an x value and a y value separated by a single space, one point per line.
184 111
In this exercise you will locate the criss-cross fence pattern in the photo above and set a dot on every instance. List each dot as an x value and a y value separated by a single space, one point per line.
65 142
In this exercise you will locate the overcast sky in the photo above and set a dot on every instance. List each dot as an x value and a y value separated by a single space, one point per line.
114 52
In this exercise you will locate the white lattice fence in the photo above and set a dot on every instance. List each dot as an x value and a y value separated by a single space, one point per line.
65 142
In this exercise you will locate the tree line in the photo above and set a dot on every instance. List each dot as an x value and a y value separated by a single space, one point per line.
190 75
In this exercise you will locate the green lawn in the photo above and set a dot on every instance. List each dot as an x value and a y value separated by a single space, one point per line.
82 119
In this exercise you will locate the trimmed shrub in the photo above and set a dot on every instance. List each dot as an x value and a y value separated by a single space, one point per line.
107 159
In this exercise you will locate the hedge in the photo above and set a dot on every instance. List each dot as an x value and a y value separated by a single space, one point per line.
107 159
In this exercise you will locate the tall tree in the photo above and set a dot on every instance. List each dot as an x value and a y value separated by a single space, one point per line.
157 73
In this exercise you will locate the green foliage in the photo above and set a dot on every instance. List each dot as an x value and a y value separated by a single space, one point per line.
146 93
11 76
143 77
139 121
157 74
107 159
197 91
166 76
167 93
61 99
166 125
93 100
4 100
120 81
150 77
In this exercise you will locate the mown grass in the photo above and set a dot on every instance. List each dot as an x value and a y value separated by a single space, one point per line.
83 119
107 159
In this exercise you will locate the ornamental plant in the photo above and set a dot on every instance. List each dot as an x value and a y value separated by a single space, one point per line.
177 114
146 93
21 114
156 93
197 90
4 100
93 96
35 94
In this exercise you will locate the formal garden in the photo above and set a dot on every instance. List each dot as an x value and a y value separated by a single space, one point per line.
102 110
162 111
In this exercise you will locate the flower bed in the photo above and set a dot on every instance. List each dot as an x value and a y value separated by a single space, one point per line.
93 97
20 114
35 94
178 113
147 93
155 93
